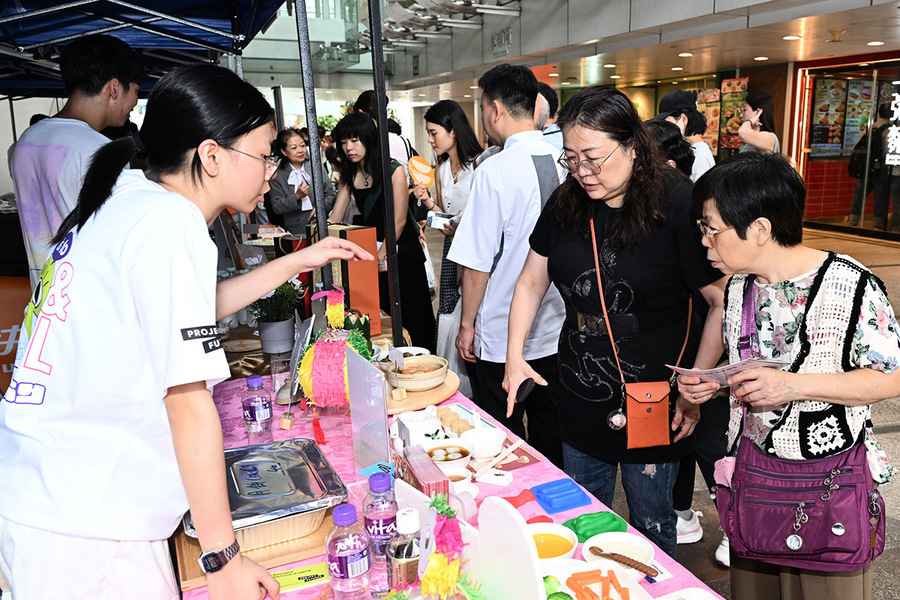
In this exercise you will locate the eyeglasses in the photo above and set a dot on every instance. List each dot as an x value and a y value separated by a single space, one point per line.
710 232
272 160
593 165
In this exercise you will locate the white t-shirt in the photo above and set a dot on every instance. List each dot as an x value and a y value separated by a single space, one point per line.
125 309
47 165
298 177
703 159
504 204
399 148
455 194
553 136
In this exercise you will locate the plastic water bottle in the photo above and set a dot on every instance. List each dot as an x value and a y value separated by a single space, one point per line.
348 556
380 512
404 552
257 408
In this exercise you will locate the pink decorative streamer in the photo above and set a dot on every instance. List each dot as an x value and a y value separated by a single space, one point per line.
328 373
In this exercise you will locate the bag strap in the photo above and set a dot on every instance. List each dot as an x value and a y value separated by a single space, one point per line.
612 340
748 342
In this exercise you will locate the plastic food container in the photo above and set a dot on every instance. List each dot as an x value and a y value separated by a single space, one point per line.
278 492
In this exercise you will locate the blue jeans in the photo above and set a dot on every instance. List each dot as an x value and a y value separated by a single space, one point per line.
648 490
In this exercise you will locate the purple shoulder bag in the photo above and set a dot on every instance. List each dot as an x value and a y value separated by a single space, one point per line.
820 515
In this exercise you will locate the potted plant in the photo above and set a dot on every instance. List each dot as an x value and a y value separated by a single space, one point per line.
274 314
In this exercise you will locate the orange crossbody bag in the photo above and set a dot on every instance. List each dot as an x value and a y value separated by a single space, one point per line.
646 404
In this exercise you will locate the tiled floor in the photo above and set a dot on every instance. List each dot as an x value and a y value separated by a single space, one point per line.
884 259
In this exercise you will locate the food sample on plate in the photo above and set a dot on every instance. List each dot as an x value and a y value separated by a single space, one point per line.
586 584
420 368
551 545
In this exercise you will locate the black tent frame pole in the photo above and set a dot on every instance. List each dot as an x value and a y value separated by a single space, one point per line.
390 234
312 123
279 107
12 119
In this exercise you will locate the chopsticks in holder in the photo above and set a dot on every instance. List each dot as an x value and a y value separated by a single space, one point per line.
499 458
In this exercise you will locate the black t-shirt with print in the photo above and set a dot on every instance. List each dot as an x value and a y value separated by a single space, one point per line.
647 288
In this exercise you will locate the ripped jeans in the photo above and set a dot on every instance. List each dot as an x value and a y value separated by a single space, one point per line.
648 491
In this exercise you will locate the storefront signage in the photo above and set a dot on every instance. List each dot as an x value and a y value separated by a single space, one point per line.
892 156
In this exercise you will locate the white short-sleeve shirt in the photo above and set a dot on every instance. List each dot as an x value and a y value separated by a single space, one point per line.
703 159
455 194
504 204
47 165
124 310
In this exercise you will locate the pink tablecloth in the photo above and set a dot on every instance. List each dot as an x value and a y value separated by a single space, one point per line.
338 449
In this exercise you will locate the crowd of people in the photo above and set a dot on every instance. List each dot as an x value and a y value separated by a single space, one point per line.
585 251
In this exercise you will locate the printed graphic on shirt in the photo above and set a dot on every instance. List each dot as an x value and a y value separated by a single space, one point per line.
212 339
49 305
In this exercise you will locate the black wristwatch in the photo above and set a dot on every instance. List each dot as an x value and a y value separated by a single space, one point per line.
215 560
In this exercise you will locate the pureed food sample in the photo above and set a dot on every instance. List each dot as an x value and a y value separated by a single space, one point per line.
550 545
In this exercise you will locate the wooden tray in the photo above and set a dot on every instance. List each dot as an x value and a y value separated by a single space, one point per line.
187 551
419 400
239 345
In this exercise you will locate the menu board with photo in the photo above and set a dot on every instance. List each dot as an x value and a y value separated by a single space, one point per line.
829 107
859 104
734 93
886 93
709 103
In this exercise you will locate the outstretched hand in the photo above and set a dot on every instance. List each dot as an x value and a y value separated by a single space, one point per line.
330 249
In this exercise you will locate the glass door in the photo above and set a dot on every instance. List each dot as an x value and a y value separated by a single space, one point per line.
846 112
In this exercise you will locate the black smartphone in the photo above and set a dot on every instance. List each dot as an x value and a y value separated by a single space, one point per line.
525 388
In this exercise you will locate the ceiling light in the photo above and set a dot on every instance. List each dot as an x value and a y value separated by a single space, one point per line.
609 66
566 83
675 82
678 68
554 74
420 95
473 87
467 95
615 77
791 38
895 82
875 43
863 64
760 58
685 54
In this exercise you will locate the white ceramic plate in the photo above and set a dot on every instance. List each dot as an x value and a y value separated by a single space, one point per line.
627 544
563 568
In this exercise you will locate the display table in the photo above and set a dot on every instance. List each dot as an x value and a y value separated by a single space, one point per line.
338 449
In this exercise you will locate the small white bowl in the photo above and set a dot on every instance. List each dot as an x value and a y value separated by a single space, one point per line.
558 530
486 442
448 466
460 479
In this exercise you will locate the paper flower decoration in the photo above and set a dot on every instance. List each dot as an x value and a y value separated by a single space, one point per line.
334 306
443 578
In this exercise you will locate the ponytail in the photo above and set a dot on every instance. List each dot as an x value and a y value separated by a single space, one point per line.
101 176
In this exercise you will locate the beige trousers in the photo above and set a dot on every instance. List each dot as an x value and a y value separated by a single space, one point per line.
753 580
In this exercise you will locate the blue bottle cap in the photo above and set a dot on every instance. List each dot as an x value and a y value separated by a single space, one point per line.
254 382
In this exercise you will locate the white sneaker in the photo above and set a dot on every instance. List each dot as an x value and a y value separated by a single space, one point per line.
689 531
722 552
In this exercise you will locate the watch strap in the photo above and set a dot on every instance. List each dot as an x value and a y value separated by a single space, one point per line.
224 556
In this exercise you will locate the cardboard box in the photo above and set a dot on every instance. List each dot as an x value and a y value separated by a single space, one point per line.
359 280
